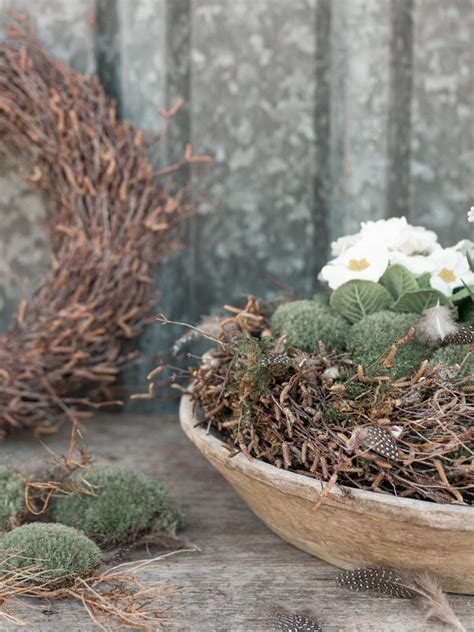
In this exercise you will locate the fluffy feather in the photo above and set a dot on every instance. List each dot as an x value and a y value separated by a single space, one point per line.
436 323
422 588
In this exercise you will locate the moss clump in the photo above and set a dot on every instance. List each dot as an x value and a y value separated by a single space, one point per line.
451 357
57 552
123 505
12 491
371 338
305 323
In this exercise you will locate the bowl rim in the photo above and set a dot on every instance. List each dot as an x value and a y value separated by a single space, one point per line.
430 513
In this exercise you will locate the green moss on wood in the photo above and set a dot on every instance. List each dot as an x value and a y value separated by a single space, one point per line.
371 338
305 323
123 505
57 551
12 491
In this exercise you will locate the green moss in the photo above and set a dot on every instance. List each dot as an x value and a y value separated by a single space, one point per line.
252 377
56 550
11 496
305 323
451 357
371 338
123 504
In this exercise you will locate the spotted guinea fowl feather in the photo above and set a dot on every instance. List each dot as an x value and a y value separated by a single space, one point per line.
463 336
296 623
420 587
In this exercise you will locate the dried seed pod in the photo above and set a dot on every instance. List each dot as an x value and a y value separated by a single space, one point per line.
296 623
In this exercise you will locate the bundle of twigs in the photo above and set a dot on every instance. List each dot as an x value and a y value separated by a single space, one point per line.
111 220
320 416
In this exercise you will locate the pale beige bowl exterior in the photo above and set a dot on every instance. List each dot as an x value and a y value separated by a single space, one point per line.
365 529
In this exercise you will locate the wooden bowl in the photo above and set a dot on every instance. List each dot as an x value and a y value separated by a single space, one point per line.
358 529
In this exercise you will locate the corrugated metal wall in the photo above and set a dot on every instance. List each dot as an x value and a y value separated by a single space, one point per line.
318 113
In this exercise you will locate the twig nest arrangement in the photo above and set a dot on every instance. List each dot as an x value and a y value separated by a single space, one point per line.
12 495
112 218
50 552
369 388
116 507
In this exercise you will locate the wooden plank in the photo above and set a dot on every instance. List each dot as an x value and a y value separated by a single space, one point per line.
243 570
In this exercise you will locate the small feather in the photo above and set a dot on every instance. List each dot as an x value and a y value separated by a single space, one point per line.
376 439
464 335
436 323
422 588
277 359
380 580
296 623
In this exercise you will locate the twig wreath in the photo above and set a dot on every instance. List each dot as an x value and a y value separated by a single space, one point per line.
110 221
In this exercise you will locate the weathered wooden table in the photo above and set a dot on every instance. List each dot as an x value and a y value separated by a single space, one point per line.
242 570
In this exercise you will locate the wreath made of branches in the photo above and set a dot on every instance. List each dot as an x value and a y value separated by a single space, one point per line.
112 217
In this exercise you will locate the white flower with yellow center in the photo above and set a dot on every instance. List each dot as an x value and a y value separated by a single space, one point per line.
451 270
366 260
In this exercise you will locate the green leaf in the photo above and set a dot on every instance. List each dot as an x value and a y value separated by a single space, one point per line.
357 298
398 281
461 295
416 302
424 280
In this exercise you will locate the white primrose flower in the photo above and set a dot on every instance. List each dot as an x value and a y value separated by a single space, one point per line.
400 236
465 246
365 260
451 269
416 264
343 243
470 214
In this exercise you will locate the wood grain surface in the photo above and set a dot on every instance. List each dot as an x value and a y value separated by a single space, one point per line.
242 571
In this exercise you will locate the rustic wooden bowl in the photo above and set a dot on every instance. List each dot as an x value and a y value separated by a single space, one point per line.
362 529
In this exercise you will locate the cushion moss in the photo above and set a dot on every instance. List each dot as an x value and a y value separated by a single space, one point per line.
11 497
371 338
451 358
305 323
57 551
122 504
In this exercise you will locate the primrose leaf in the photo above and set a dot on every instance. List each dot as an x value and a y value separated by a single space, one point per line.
398 281
358 298
424 281
416 302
